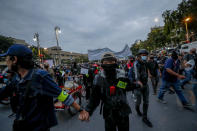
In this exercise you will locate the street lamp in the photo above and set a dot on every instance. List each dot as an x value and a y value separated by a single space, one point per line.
58 31
36 39
187 33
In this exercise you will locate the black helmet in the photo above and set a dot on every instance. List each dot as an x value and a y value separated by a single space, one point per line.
142 51
131 57
108 56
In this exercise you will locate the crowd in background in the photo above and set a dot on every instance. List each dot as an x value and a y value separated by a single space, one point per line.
155 64
173 70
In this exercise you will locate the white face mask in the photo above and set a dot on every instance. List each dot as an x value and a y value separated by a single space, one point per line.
144 58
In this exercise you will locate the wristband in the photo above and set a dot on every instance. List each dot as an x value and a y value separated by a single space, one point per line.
81 109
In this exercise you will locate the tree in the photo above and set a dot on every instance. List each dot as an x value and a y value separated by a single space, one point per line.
5 43
43 52
174 27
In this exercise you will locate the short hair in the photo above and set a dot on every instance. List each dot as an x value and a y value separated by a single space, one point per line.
25 62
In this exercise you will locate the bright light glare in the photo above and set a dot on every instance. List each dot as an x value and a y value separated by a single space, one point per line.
45 48
59 31
187 19
34 39
156 20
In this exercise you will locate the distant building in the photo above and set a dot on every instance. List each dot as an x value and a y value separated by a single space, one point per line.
16 41
19 41
55 51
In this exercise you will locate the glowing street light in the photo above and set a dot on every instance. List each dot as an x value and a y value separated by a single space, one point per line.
34 39
187 19
187 32
58 31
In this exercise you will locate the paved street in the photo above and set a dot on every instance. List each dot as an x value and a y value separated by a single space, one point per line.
169 117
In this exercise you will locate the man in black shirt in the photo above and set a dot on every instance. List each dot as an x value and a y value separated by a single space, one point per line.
153 73
141 77
110 87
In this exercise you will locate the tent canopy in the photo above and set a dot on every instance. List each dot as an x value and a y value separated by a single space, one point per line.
97 54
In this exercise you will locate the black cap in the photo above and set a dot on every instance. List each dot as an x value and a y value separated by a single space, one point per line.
108 57
142 51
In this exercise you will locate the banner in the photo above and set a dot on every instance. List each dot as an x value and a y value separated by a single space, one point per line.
97 54
84 71
50 62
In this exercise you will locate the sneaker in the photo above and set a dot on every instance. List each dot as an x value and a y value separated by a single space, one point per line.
187 105
161 101
171 91
147 122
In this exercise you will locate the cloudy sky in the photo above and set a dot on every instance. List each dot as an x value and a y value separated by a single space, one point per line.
85 24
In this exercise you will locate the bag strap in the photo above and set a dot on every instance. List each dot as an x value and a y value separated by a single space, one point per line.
102 94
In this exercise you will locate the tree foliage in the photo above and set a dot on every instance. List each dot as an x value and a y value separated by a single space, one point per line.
5 43
174 30
43 53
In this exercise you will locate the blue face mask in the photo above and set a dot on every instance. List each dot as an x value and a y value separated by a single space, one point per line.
144 58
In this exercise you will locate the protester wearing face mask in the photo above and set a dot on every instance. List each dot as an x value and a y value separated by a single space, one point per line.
171 77
110 87
141 77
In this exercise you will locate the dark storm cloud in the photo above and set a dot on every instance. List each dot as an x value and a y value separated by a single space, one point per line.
85 24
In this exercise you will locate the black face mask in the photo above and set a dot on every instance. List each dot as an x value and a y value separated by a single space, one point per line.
110 70
109 66
175 57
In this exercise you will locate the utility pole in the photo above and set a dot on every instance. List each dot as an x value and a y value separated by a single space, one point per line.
58 31
36 38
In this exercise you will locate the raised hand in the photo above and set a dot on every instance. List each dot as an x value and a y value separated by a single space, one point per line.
84 116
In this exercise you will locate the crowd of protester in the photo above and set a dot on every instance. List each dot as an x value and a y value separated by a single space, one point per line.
167 71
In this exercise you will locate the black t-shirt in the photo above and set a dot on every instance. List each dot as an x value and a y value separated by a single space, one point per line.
153 67
163 59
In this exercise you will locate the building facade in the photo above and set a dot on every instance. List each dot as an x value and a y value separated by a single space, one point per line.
57 55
